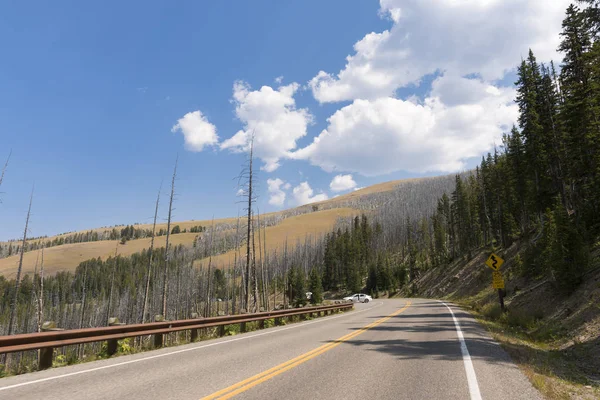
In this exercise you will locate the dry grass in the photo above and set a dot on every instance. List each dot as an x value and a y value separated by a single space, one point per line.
67 257
294 229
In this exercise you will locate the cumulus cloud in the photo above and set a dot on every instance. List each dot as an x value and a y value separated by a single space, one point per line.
272 117
484 37
461 118
342 183
304 194
277 194
197 131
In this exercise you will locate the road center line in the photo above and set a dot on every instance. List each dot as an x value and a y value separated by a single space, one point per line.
264 376
471 377
241 337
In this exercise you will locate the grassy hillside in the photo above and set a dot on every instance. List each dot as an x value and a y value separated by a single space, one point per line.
292 225
292 230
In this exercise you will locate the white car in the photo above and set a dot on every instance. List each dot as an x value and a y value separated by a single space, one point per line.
359 298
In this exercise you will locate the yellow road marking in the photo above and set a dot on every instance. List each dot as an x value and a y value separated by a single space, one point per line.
255 380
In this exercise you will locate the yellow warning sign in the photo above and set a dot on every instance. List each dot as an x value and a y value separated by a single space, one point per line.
497 280
494 262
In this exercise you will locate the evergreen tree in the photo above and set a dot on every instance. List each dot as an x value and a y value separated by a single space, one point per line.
315 287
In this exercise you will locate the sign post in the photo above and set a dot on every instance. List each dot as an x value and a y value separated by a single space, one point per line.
495 262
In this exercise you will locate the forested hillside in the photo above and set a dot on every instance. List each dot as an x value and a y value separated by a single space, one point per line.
541 187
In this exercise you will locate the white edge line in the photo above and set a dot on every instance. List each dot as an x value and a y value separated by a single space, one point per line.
244 337
469 369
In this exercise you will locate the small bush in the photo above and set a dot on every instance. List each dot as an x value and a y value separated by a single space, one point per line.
269 323
519 319
60 360
231 330
492 311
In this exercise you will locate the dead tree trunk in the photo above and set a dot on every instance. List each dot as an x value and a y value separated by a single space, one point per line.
13 305
149 270
208 309
40 319
4 168
165 273
262 265
254 274
112 284
249 233
83 296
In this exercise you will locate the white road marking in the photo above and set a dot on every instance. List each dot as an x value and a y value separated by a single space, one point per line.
471 377
241 337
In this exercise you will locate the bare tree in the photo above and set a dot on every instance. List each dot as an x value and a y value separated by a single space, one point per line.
40 299
4 168
247 175
13 306
112 283
208 305
165 273
149 270
254 273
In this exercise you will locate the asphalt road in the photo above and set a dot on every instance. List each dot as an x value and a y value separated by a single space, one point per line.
391 349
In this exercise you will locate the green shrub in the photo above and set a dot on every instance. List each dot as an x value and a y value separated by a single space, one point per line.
269 323
491 311
519 319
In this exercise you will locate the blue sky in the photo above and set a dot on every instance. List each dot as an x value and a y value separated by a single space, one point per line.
89 93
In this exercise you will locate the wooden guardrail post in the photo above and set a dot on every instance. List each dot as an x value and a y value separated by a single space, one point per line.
194 333
47 353
158 337
112 344
242 324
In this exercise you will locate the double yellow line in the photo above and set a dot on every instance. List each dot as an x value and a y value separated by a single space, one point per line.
255 380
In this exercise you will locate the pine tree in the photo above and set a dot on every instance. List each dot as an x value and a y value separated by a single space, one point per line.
315 287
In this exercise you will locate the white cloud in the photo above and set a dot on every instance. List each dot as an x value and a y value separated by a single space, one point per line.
197 131
240 192
341 183
273 118
303 194
277 194
461 118
278 80
485 37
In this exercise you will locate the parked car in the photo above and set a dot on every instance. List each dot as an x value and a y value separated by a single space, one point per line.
359 298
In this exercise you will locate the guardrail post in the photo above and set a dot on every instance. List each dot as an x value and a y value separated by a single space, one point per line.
158 338
194 333
221 330
243 324
112 344
261 324
278 321
47 353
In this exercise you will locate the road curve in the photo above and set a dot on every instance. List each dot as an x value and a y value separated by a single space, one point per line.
390 349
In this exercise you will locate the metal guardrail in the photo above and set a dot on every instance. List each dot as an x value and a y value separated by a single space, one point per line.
47 341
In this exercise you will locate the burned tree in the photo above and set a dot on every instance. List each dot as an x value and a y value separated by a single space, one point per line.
150 256
165 273
4 168
13 305
246 183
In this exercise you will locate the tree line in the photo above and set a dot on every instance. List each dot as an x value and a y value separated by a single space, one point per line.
129 232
